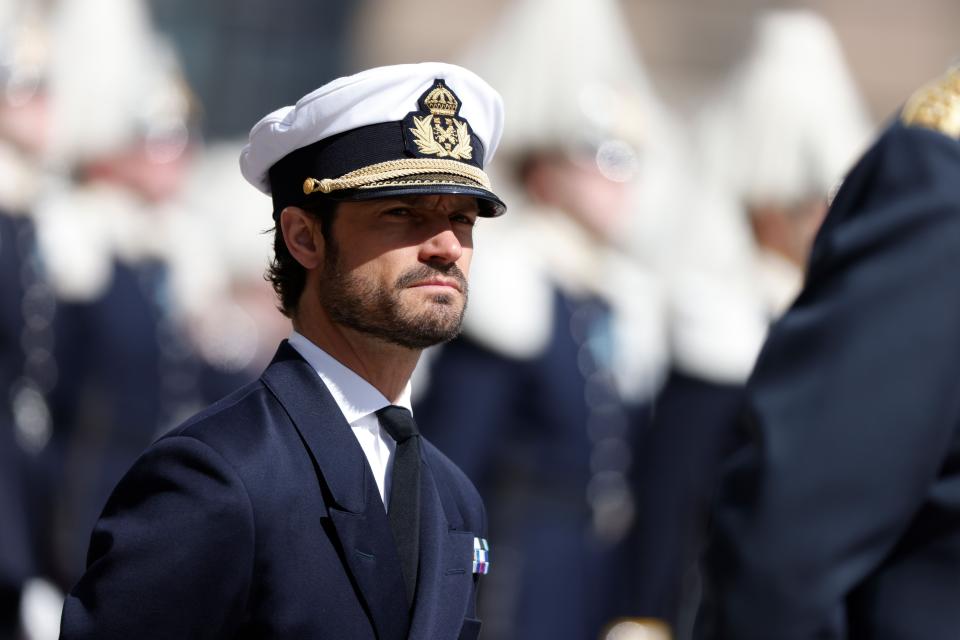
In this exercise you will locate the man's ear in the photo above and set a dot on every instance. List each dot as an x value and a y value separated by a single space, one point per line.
302 235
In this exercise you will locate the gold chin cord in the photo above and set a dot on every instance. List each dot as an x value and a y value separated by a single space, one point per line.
383 173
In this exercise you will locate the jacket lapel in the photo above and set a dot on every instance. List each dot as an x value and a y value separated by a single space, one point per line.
350 492
446 571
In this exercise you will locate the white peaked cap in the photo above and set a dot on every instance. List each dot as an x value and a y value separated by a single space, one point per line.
379 96
792 121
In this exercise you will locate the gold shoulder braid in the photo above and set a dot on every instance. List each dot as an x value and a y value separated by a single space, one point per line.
936 106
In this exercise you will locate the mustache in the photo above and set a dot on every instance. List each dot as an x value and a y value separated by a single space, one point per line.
425 272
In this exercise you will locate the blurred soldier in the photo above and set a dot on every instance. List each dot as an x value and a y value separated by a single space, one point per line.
237 326
773 140
564 343
114 243
839 519
779 136
715 332
306 505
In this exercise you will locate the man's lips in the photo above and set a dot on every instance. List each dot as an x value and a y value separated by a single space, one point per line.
437 282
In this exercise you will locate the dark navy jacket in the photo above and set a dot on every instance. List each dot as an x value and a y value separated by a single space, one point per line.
841 517
260 518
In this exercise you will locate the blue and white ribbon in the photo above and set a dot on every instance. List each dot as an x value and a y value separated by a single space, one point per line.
481 556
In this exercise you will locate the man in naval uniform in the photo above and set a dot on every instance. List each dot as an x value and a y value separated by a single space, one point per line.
841 516
306 505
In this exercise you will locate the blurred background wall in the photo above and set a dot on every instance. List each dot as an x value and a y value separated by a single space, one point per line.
689 44
245 57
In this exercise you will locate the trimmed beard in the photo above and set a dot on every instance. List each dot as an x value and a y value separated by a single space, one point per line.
377 310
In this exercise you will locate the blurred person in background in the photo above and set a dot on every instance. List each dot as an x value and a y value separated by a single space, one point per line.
838 518
778 136
114 244
237 327
26 368
772 140
242 62
564 342
714 332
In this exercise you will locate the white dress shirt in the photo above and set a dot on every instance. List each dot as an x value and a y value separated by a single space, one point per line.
358 401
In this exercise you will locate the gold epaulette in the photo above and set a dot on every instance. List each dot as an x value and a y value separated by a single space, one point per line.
936 106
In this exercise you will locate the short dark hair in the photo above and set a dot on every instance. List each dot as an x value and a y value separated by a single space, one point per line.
288 276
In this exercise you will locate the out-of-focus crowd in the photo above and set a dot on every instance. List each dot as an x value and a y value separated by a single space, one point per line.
615 312
132 291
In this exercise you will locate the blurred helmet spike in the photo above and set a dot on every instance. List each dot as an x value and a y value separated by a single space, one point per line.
791 121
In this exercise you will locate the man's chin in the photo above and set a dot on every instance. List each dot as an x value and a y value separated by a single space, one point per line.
433 323
421 337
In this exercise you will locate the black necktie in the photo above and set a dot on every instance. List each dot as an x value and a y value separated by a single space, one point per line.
404 510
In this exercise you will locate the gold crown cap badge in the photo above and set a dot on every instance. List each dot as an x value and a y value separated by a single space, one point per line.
440 133
937 105
441 101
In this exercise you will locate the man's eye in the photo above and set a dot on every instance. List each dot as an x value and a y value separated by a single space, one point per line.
464 219
399 212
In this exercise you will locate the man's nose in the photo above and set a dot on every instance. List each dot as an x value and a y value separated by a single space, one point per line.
443 247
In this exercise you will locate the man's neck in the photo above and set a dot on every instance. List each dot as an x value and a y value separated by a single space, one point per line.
386 366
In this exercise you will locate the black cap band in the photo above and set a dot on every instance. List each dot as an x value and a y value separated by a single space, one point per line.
340 155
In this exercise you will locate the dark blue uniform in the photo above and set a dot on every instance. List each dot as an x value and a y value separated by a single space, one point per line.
260 518
693 427
840 518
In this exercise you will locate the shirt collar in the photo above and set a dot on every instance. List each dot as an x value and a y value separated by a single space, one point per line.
355 396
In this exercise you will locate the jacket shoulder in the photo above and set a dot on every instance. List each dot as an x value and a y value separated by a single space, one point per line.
241 410
247 428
